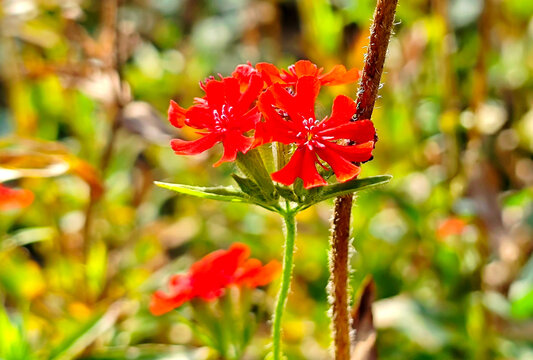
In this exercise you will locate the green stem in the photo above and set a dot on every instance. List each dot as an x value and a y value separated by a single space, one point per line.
290 235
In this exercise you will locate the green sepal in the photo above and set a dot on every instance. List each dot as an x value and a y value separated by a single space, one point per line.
221 193
252 165
299 189
267 154
287 193
249 187
317 195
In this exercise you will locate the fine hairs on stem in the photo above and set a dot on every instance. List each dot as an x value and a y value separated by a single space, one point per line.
380 33
286 276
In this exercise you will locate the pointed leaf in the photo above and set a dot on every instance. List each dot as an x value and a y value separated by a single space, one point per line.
220 193
348 187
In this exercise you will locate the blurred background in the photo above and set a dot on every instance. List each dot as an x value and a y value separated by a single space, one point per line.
84 89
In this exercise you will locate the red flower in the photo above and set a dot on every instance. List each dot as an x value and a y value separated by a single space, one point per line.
11 199
209 277
336 76
224 115
290 119
243 74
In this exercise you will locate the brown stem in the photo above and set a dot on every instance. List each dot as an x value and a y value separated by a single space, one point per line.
113 59
339 269
380 33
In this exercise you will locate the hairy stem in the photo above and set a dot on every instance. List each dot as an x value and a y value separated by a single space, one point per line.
290 235
339 258
380 32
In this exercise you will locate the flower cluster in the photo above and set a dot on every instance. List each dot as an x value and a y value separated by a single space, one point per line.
263 104
11 199
208 278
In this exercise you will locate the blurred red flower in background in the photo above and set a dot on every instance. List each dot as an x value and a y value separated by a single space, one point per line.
209 277
336 76
224 114
451 226
11 199
290 119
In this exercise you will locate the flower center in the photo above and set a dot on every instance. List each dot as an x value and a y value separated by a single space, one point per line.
308 137
222 118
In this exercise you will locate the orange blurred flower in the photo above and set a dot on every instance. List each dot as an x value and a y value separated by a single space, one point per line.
11 199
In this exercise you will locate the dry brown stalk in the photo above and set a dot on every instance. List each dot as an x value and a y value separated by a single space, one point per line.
380 33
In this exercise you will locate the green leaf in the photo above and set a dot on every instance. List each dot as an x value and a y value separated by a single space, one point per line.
220 193
348 187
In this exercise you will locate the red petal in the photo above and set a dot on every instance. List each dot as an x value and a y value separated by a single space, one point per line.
301 106
232 90
360 152
275 128
11 199
243 73
247 121
338 75
199 117
292 170
305 68
267 106
161 303
180 292
214 272
344 170
250 94
215 93
182 147
176 114
307 89
342 111
242 251
234 142
302 165
359 131
265 274
310 175
247 271
253 274
269 72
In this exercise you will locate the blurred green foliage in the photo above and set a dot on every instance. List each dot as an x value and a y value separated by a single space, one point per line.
448 241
